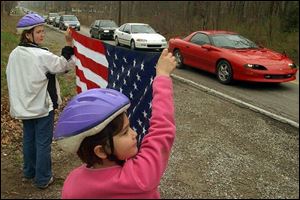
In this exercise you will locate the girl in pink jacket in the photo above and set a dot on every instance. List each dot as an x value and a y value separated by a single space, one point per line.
95 126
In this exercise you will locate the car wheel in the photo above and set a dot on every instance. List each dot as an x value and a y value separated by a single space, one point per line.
224 72
132 45
117 41
179 59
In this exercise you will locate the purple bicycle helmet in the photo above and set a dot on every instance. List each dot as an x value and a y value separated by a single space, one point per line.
87 114
29 21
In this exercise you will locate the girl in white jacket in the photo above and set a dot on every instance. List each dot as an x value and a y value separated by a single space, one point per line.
34 94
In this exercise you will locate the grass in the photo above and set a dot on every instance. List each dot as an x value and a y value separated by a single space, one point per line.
9 40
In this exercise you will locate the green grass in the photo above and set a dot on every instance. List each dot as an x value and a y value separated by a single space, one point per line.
8 42
67 84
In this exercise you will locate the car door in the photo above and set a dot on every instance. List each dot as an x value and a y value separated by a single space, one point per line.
94 28
125 35
97 29
196 55
61 22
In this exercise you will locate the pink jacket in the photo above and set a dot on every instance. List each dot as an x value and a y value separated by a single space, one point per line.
140 175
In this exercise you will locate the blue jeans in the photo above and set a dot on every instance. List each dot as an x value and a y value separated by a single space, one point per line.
37 139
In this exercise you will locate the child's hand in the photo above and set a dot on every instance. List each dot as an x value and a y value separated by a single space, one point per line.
68 37
165 64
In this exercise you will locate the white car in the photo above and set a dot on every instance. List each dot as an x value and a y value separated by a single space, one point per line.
138 35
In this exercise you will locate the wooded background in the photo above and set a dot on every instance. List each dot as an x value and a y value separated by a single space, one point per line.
274 24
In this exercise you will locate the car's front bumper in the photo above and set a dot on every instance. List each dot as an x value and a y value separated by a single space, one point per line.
276 76
74 26
107 34
151 45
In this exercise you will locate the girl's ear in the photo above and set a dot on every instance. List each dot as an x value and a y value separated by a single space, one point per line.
99 151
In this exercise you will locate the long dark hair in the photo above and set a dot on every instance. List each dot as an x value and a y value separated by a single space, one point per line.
86 149
23 38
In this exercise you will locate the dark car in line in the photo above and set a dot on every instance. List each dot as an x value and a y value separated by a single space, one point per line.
51 17
103 29
66 21
56 21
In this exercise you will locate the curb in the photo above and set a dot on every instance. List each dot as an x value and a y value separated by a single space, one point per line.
237 101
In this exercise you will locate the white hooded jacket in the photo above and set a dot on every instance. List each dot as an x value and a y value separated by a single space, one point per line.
27 81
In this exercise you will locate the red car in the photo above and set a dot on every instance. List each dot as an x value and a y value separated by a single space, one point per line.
232 57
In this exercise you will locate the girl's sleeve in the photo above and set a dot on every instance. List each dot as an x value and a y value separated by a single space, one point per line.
58 64
152 159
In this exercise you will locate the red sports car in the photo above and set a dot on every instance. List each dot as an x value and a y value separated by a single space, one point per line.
232 57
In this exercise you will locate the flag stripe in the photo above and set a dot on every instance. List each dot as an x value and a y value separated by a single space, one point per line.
98 57
92 65
87 84
91 79
81 84
89 43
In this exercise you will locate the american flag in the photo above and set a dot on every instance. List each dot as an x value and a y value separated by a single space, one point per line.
131 72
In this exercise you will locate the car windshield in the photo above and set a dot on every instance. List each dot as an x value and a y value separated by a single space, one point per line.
142 29
108 24
70 18
233 41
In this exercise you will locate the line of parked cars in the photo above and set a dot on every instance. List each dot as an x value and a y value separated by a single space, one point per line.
134 35
63 21
229 55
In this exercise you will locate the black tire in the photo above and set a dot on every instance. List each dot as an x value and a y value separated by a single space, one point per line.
132 45
179 59
224 72
117 41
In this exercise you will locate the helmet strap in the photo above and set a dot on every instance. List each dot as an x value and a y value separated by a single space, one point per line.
111 156
32 37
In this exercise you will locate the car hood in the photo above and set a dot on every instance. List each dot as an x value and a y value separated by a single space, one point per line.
148 36
263 57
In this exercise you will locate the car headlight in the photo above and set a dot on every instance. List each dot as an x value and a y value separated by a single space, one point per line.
293 65
255 66
66 24
164 40
141 40
78 24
